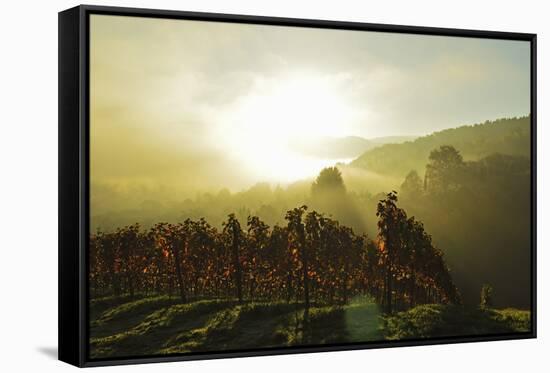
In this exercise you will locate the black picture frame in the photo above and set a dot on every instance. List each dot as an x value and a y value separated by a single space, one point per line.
74 178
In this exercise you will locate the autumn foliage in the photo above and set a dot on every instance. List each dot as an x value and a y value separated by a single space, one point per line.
313 259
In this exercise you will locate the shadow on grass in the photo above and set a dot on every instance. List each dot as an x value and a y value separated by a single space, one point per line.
151 334
157 326
125 316
161 325
433 320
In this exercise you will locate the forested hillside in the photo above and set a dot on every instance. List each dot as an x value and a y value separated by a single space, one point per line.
507 136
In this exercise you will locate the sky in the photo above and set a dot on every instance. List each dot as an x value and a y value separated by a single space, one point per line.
206 105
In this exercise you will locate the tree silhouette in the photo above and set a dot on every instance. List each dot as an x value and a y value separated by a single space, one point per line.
232 229
329 181
443 169
486 296
412 185
297 242
258 239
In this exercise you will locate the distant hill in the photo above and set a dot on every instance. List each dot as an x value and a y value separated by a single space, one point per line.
343 147
505 136
392 139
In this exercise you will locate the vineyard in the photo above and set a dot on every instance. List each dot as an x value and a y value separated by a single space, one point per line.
313 259
190 287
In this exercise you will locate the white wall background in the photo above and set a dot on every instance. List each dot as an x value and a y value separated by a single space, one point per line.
28 184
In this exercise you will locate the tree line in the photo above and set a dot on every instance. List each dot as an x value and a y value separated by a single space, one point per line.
312 260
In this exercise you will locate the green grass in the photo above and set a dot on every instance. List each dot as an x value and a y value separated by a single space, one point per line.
126 315
435 320
160 325
151 332
122 327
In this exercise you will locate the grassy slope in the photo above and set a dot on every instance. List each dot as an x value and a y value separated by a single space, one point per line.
435 320
160 325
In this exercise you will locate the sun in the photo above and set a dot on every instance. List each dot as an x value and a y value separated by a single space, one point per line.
261 125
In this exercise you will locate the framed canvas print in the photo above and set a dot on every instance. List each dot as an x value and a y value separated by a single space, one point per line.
238 186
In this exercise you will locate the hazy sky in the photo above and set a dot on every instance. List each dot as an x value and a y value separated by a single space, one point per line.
206 105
